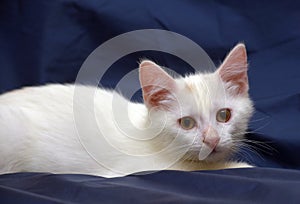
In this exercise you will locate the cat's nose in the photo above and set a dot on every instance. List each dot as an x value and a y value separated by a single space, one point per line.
211 137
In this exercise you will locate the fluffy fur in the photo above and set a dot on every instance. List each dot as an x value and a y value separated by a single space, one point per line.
38 132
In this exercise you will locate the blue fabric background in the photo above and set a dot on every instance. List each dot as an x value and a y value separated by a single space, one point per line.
47 41
233 186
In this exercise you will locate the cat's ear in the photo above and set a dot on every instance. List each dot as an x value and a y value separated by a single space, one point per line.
233 70
157 85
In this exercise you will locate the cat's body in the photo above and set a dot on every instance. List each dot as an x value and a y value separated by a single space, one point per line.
38 130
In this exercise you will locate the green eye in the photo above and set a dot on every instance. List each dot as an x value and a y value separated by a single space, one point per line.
187 123
223 115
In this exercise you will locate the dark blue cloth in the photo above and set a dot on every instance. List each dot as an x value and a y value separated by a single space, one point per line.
47 41
258 185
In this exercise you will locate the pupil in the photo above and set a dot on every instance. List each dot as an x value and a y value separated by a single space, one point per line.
223 114
186 123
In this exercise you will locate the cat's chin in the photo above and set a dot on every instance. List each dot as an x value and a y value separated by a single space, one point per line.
217 155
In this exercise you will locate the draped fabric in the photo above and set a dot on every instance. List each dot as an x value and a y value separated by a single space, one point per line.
47 41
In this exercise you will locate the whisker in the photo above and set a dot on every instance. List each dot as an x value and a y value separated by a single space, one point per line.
259 145
253 150
258 119
243 154
243 150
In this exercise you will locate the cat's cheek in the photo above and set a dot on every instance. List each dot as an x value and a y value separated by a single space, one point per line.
190 136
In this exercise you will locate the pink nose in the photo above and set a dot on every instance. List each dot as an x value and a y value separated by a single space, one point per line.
211 137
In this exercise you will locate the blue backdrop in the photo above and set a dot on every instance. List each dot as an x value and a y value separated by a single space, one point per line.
47 41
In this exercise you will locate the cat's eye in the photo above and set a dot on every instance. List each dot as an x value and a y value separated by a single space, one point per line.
187 123
223 115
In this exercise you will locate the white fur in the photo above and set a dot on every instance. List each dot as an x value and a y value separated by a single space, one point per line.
38 133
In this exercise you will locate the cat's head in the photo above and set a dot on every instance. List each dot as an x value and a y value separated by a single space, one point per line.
210 111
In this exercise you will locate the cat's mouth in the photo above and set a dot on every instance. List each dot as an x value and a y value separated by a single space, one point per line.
207 154
206 151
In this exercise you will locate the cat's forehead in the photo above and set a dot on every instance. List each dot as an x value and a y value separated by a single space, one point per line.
203 91
199 84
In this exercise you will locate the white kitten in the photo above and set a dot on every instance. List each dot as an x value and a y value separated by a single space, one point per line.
189 123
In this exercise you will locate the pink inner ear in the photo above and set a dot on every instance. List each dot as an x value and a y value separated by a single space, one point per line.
234 70
157 85
161 98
